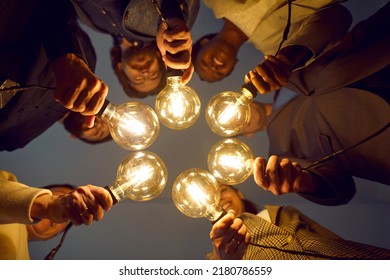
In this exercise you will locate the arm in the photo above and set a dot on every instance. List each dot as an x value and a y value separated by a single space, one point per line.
274 71
174 41
23 204
229 237
321 184
77 87
301 47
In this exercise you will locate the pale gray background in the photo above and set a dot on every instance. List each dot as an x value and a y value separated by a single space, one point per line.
156 229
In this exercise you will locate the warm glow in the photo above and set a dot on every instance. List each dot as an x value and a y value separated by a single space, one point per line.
131 125
141 176
199 197
177 105
230 161
195 193
228 113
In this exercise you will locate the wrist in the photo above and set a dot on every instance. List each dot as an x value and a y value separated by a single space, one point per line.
69 58
295 56
40 207
309 182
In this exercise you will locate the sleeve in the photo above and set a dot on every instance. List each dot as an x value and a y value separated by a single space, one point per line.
333 186
16 199
61 32
172 9
331 22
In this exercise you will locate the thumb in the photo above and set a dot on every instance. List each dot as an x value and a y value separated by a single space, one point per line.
89 121
187 75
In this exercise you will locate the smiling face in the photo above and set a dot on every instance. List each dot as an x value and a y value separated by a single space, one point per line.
231 199
215 60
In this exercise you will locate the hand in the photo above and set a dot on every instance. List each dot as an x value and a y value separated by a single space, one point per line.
77 87
229 237
81 206
175 45
271 74
279 175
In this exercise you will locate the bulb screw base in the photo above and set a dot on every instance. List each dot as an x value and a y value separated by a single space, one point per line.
114 199
251 88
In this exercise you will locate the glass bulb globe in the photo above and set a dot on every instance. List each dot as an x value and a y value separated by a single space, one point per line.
141 176
177 105
133 125
196 194
229 112
230 161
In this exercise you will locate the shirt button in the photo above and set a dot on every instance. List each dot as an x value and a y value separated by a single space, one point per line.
104 12
113 24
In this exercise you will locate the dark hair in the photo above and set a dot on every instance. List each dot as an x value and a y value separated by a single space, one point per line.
69 126
116 57
250 207
197 46
103 140
69 186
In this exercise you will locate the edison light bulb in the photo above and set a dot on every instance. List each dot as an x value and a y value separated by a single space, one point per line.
230 161
229 112
196 194
133 125
177 105
141 176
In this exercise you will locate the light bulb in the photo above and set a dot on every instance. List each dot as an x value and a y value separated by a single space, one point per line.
229 112
141 176
196 194
133 125
230 161
177 105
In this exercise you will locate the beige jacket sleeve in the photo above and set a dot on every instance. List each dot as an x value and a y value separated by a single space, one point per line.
16 199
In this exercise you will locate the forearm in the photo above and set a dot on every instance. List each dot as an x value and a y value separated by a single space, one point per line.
17 200
327 187
171 9
296 56
60 29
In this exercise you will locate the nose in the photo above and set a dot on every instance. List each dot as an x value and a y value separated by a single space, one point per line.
144 72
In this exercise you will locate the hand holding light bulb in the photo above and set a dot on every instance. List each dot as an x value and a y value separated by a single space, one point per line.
195 193
228 113
177 105
141 176
133 125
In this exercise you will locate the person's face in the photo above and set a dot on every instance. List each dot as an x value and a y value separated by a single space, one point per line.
231 199
142 68
77 127
215 60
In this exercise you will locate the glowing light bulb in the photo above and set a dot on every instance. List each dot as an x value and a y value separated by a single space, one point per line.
133 125
196 194
229 112
177 105
230 161
141 176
